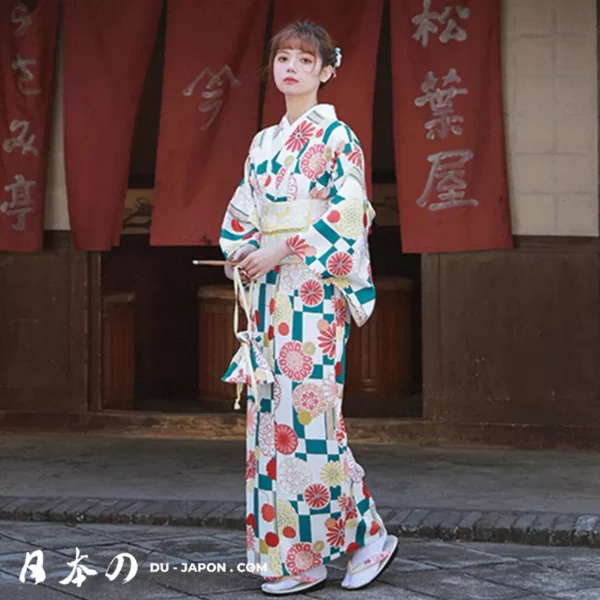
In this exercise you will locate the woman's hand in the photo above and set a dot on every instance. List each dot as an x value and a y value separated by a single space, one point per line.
240 254
264 260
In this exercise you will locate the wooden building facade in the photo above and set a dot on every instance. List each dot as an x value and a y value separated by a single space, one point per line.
504 345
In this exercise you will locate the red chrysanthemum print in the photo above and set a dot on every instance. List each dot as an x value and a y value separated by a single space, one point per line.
313 162
311 292
250 418
302 557
336 533
280 177
327 340
316 495
294 362
300 136
356 156
330 390
340 432
339 264
249 537
345 502
266 434
310 398
352 468
339 308
286 440
292 189
348 505
277 392
352 513
320 193
297 244
251 465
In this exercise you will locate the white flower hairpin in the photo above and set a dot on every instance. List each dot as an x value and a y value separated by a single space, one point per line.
338 57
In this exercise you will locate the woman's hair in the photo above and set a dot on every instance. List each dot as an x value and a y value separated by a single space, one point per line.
308 37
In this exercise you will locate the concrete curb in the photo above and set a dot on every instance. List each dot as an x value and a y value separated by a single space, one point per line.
535 528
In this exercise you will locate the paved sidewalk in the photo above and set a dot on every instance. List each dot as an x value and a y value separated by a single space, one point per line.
543 497
423 570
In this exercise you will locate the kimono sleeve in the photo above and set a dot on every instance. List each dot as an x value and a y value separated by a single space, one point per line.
241 221
335 247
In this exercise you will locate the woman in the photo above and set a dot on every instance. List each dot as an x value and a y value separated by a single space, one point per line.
296 229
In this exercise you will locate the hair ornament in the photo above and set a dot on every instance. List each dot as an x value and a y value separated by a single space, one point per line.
338 57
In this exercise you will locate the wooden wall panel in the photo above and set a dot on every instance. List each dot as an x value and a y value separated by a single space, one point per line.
165 284
512 337
43 320
217 344
118 351
379 356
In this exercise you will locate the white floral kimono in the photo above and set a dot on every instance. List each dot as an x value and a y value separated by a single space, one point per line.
307 502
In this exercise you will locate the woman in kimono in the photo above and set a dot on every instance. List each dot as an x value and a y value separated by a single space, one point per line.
296 230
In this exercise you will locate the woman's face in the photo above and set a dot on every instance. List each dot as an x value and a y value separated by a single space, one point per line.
298 73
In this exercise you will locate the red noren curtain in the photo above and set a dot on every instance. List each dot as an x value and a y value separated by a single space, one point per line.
27 51
107 50
209 115
448 125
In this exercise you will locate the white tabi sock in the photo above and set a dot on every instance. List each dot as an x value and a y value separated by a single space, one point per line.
289 582
359 556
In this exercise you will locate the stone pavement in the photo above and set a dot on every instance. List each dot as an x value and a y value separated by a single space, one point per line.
483 494
423 570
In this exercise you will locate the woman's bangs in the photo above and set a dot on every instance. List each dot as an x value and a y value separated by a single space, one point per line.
294 41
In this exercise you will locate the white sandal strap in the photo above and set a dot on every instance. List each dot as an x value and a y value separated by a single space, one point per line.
303 578
300 578
369 562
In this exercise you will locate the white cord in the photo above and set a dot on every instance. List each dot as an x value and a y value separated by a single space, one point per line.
240 294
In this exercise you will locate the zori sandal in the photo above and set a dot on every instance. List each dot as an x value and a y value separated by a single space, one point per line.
384 558
305 583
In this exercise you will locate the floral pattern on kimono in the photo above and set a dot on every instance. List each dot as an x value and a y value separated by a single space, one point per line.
306 497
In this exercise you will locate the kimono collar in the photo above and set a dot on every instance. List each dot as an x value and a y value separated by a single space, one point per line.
327 110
